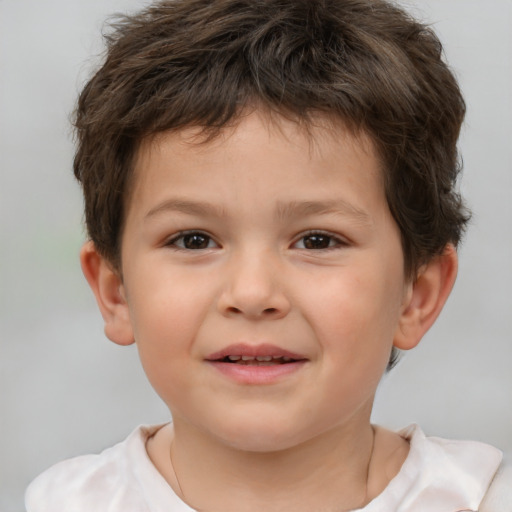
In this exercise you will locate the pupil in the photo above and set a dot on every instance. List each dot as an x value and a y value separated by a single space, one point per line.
316 242
196 241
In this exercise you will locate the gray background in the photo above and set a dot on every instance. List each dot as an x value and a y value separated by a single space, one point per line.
64 390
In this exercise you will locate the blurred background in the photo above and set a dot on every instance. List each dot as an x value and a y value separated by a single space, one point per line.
65 390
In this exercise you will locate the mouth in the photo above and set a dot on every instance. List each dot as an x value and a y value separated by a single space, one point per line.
257 361
256 364
255 355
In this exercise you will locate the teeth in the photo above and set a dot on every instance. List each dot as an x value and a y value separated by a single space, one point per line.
259 359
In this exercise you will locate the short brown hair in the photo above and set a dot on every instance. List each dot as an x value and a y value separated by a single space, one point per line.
201 62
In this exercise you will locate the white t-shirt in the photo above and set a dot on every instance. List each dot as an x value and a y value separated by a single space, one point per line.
437 476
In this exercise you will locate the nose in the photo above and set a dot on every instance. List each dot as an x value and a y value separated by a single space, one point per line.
253 287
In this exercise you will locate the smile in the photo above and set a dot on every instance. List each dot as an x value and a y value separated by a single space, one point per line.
258 361
256 364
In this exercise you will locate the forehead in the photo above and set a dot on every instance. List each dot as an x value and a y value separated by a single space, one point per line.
318 134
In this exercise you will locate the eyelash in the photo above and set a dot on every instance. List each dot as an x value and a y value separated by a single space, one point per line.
334 241
173 242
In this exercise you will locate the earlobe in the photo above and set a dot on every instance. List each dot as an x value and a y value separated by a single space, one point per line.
108 289
426 297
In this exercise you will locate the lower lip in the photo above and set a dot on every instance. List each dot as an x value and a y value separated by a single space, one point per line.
254 374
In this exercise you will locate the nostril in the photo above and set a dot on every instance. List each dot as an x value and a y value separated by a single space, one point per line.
265 312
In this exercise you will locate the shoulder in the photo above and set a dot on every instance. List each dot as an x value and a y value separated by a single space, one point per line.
92 482
455 473
499 495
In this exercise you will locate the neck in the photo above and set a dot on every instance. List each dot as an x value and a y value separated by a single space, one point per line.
329 472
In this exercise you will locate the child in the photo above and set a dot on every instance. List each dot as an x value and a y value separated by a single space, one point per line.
270 199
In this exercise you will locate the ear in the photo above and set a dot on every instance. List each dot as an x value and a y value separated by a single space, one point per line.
108 289
426 297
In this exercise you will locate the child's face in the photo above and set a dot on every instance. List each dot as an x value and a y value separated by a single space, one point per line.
263 242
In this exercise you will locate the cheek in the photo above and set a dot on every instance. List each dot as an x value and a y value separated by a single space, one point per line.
164 335
357 310
166 303
165 321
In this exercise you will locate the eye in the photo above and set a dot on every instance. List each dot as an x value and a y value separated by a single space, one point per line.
192 240
319 241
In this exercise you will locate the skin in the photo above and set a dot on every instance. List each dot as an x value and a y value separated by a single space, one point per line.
270 235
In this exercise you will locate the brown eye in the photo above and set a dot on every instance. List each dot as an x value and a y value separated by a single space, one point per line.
196 241
320 240
192 241
317 241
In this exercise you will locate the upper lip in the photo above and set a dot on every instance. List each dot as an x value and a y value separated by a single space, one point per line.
264 349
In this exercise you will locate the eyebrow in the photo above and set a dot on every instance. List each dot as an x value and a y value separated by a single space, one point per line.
284 210
337 206
188 207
